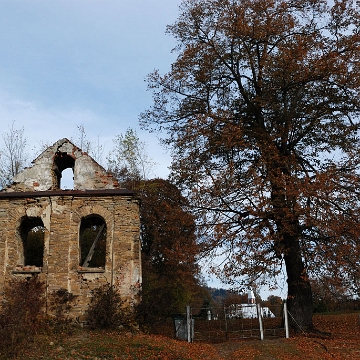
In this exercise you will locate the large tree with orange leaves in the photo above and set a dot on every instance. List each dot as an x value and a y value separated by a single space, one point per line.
169 250
171 273
261 109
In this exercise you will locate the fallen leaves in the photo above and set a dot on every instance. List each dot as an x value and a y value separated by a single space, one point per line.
342 344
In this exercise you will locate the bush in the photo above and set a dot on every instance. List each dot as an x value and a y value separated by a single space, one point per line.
106 309
61 303
21 314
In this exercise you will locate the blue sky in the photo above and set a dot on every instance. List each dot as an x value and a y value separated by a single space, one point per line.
66 63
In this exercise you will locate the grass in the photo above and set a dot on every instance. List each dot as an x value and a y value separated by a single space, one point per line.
344 343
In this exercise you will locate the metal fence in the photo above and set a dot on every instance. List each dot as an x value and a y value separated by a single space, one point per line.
218 324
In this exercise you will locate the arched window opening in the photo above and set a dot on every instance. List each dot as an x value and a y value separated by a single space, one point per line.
32 233
63 161
67 179
93 242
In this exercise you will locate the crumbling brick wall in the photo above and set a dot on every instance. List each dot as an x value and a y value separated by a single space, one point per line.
35 199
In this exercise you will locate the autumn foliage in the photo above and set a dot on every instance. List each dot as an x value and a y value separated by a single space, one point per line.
261 109
169 247
171 274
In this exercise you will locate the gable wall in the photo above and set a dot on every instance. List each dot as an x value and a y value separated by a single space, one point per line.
42 175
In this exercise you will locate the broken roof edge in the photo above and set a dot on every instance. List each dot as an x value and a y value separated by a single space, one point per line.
56 145
78 193
46 171
59 143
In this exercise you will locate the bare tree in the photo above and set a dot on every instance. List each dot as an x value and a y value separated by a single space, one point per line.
13 157
129 159
82 140
93 148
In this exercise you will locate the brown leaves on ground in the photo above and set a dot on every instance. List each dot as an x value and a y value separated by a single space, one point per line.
342 344
105 345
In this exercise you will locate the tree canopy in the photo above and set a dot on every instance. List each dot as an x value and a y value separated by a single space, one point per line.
171 273
261 109
169 249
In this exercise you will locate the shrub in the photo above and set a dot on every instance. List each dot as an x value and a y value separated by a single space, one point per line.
60 304
106 309
21 314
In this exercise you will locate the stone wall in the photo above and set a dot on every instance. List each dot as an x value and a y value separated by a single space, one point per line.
34 199
61 215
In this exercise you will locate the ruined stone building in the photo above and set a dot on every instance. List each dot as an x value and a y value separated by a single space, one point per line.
76 239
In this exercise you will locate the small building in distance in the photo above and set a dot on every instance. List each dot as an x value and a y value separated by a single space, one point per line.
249 310
75 240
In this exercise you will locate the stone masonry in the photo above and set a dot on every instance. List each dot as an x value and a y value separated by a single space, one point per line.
35 200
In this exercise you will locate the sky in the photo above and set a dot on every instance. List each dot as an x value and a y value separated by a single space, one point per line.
67 63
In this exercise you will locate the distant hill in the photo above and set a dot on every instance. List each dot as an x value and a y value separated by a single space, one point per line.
218 295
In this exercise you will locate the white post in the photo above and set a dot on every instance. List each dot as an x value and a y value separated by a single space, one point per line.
226 326
286 320
258 306
188 323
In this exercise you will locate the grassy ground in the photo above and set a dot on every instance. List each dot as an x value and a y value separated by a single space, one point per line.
344 343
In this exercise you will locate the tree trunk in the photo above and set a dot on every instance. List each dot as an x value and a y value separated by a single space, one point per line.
299 299
300 305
